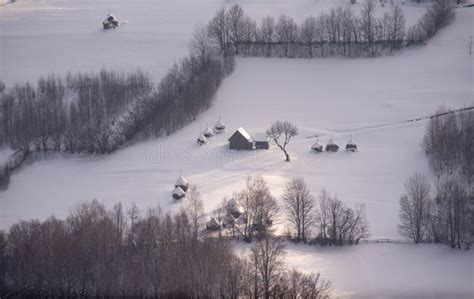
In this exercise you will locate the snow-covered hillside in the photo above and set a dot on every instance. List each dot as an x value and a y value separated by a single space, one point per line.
38 37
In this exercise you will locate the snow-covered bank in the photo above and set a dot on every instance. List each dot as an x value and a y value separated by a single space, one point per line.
387 270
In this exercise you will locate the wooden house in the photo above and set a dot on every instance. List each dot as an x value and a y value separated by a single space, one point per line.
241 140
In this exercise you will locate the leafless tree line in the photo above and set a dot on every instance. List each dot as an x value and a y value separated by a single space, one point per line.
340 32
96 252
99 112
445 213
325 221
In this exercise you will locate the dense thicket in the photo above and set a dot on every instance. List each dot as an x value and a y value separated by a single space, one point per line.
100 252
445 215
340 32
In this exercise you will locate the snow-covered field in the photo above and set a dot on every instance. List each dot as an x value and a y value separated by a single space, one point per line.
38 37
387 270
368 98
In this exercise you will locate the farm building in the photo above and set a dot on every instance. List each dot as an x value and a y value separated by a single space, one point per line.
219 127
178 193
241 140
110 22
332 146
351 146
317 147
234 208
183 183
202 140
213 224
261 141
208 132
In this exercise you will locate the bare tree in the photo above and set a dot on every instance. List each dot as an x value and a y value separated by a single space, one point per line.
281 133
195 210
415 207
217 29
201 45
299 204
268 261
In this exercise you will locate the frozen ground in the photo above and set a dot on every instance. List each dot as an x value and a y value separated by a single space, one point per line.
38 37
387 270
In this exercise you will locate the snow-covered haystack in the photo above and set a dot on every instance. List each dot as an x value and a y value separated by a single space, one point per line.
219 127
332 146
234 208
208 132
178 193
202 140
351 146
213 224
317 146
110 22
183 183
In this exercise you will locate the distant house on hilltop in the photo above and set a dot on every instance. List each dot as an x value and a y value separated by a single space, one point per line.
241 140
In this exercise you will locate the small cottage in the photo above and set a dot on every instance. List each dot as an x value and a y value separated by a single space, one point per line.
213 224
202 140
182 183
208 133
234 208
241 140
317 147
178 193
110 22
219 127
332 146
351 146
261 141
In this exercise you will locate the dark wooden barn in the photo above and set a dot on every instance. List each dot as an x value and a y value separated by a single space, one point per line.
241 140
261 141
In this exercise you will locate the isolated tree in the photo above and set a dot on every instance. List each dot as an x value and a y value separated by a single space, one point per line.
268 262
299 206
415 205
281 133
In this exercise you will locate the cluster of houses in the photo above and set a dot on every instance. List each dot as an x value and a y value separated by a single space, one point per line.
332 146
233 214
180 188
240 140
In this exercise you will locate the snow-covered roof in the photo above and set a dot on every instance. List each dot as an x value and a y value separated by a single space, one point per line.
317 144
244 133
351 140
178 191
182 181
207 131
110 16
261 137
331 141
203 138
219 124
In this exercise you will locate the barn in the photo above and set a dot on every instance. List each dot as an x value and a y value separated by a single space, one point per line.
241 140
261 141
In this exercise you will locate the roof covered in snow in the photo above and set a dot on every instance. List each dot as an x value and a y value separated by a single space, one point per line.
219 124
261 137
182 181
244 133
178 191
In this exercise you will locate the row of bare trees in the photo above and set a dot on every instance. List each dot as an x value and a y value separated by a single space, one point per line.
445 213
117 252
338 33
325 221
